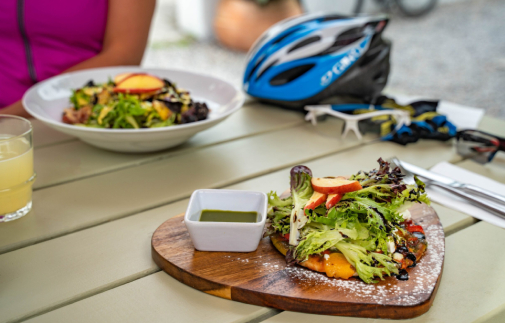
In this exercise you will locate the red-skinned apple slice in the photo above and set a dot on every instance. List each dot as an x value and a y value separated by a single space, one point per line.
334 185
315 200
121 77
332 200
139 83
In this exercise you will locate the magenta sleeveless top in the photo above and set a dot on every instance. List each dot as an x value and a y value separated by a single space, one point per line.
42 38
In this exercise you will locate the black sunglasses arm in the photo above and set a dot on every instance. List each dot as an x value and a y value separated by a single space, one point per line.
502 144
500 140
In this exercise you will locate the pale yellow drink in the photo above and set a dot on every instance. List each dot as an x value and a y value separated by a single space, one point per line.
16 174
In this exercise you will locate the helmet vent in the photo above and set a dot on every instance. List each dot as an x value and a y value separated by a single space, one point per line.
339 44
304 43
266 69
351 33
377 26
334 17
281 38
379 77
259 61
370 57
290 75
344 39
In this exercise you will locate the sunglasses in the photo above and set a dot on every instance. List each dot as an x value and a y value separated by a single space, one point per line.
351 121
478 145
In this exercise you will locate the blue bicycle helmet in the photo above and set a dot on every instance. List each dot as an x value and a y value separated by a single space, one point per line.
312 57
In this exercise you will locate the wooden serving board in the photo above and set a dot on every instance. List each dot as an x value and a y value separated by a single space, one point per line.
262 277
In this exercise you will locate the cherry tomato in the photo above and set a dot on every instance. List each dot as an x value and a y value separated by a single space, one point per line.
407 223
415 228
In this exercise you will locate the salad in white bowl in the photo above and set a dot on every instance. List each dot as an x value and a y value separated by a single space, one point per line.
132 109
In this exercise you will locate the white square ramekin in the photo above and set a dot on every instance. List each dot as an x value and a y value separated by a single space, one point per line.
226 236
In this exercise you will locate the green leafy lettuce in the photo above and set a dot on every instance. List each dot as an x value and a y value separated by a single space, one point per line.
301 191
360 226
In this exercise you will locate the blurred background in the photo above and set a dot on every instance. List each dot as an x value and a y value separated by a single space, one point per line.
455 52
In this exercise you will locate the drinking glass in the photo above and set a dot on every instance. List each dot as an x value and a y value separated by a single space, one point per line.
16 167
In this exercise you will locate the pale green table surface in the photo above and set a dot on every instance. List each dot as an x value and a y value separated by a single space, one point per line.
83 253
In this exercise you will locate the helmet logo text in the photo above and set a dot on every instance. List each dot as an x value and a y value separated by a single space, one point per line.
342 65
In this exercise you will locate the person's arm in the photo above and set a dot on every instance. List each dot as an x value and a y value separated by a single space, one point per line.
125 39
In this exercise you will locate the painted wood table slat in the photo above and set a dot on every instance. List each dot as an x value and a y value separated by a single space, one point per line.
110 277
103 307
492 125
155 298
66 208
75 159
472 282
494 170
44 136
82 272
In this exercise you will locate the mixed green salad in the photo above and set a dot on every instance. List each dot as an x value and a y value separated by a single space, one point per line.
370 227
107 105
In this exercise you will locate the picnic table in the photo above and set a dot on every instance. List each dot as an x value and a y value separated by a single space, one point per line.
83 254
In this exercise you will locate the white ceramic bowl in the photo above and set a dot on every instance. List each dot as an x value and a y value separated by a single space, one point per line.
46 101
226 236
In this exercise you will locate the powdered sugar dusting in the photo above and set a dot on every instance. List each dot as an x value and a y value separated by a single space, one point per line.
419 287
265 271
391 291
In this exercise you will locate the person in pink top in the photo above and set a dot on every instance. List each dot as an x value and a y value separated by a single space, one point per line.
43 38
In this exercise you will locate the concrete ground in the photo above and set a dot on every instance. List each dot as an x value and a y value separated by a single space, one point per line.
456 53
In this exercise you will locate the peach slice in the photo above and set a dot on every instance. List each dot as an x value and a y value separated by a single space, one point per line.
139 83
121 77
162 110
336 265
334 185
315 200
332 200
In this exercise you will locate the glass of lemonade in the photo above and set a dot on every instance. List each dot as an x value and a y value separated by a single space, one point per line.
16 167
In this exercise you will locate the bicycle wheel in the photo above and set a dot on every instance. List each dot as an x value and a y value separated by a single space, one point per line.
415 8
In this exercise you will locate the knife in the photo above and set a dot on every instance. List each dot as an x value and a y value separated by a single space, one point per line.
421 172
496 209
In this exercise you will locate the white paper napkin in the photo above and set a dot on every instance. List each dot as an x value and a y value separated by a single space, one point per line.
463 117
462 175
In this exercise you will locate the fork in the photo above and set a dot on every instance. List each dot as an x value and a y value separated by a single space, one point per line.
490 206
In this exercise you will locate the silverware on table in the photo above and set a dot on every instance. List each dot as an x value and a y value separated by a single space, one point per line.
450 182
453 187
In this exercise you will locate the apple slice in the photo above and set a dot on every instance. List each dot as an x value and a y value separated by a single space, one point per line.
139 83
332 200
315 200
121 77
334 185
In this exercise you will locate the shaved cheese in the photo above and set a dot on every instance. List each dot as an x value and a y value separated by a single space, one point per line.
406 215
398 257
391 245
